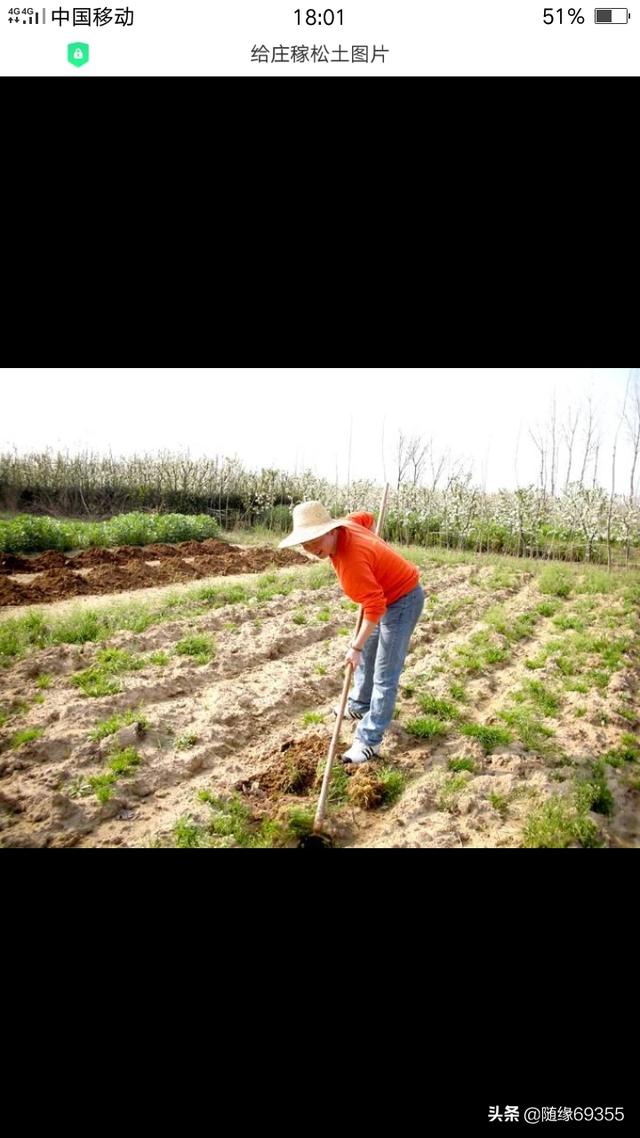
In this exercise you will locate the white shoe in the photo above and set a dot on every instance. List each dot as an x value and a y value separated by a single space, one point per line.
348 713
360 753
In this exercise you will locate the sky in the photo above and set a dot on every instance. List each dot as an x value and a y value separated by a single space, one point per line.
334 421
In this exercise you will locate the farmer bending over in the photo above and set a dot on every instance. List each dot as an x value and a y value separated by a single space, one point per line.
388 588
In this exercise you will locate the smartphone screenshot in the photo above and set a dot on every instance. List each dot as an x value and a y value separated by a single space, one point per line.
358 38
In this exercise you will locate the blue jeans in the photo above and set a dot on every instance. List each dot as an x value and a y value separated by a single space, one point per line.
376 679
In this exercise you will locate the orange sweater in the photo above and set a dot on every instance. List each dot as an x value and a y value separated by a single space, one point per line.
369 571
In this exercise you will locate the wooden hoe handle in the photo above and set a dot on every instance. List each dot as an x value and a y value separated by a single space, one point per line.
324 792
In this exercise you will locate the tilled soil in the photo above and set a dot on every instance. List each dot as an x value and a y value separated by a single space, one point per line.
53 576
235 727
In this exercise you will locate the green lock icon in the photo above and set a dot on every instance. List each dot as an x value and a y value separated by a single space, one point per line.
78 53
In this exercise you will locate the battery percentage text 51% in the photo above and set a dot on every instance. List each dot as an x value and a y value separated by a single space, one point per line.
563 15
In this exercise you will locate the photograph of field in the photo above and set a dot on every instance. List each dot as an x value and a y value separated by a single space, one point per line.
168 675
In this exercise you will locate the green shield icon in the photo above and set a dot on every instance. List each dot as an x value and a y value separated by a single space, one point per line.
78 53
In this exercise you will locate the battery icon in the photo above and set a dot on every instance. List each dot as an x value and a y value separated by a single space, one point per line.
612 15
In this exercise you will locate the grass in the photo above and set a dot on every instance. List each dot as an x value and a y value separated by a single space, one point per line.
597 581
547 608
627 752
569 621
480 653
540 696
272 585
189 739
257 535
464 764
187 834
338 785
533 734
449 610
10 642
217 596
609 649
631 743
300 822
87 626
124 761
109 726
27 735
555 581
576 685
500 803
458 692
95 683
512 628
504 576
601 798
393 783
97 680
121 765
440 708
44 680
102 785
561 822
451 790
201 648
585 659
299 617
231 823
320 670
488 737
310 717
427 727
118 660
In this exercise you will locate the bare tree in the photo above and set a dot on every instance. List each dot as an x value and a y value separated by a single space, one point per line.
540 443
545 438
437 465
632 419
554 443
411 456
591 442
517 455
569 435
596 459
417 453
457 470
403 458
613 471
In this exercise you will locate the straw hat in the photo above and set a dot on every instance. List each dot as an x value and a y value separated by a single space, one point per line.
310 520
